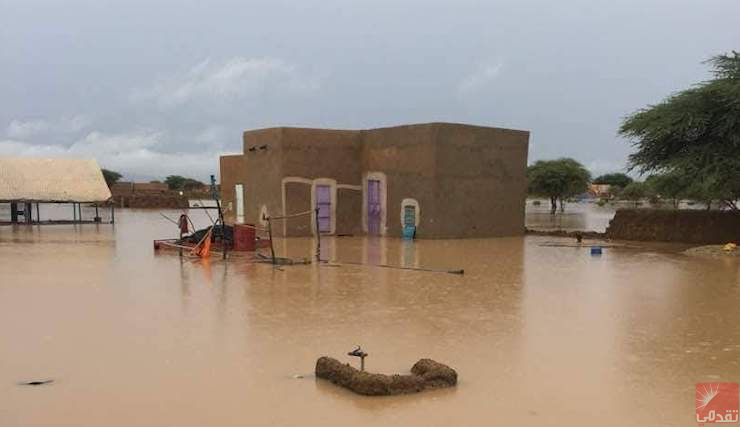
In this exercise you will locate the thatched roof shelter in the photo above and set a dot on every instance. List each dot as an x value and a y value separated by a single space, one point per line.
51 180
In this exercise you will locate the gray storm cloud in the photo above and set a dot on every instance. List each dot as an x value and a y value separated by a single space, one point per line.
162 87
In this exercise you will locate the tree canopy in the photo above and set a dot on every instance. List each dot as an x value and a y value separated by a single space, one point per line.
635 191
615 179
695 133
672 185
111 177
177 182
557 179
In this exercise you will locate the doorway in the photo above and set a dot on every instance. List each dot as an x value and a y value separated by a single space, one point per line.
239 201
374 208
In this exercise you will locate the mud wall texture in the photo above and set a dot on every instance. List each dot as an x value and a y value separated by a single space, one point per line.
297 199
687 226
321 153
263 168
481 181
349 211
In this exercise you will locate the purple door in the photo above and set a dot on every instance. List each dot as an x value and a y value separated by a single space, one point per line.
373 207
323 203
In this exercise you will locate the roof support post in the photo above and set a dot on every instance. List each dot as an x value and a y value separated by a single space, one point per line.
27 212
13 212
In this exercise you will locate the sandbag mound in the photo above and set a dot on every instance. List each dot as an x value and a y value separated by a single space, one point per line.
425 374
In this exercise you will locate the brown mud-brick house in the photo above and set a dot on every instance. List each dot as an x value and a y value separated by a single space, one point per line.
449 180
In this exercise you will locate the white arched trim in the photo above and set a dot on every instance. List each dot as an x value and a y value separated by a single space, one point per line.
378 176
415 204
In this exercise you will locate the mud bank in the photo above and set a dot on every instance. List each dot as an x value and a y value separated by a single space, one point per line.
161 201
712 251
425 374
685 226
565 233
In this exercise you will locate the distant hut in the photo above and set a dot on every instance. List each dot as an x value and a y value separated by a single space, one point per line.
27 182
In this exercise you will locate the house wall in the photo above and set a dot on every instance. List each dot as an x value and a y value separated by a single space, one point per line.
297 199
349 211
322 153
467 181
405 155
263 175
233 171
481 181
322 157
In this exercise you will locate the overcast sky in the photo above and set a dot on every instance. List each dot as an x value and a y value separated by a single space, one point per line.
152 88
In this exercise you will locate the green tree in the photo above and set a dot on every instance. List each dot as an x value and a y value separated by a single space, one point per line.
177 182
672 185
695 132
557 180
111 177
613 179
635 191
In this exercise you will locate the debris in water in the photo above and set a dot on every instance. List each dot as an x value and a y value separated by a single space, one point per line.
425 374
36 382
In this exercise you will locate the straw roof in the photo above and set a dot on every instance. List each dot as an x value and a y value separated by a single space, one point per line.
51 180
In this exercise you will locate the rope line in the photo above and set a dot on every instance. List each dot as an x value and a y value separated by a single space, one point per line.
291 215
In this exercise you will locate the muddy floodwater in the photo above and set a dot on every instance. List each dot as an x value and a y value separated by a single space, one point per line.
582 216
540 332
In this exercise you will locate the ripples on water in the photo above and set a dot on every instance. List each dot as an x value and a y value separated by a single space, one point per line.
540 335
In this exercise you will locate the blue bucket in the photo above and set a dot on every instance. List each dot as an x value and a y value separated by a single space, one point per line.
409 232
595 250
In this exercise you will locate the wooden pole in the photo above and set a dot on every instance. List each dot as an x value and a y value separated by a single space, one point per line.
272 247
215 195
38 215
318 235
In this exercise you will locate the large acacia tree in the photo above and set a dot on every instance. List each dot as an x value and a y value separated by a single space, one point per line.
557 180
695 133
614 179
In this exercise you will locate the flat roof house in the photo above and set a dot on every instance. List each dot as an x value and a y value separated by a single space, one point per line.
448 180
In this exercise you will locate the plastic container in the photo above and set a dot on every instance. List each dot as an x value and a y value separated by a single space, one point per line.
409 232
244 237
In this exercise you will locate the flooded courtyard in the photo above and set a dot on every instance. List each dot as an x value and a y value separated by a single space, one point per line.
540 332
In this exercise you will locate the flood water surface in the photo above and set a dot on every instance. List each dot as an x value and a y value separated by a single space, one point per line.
540 332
